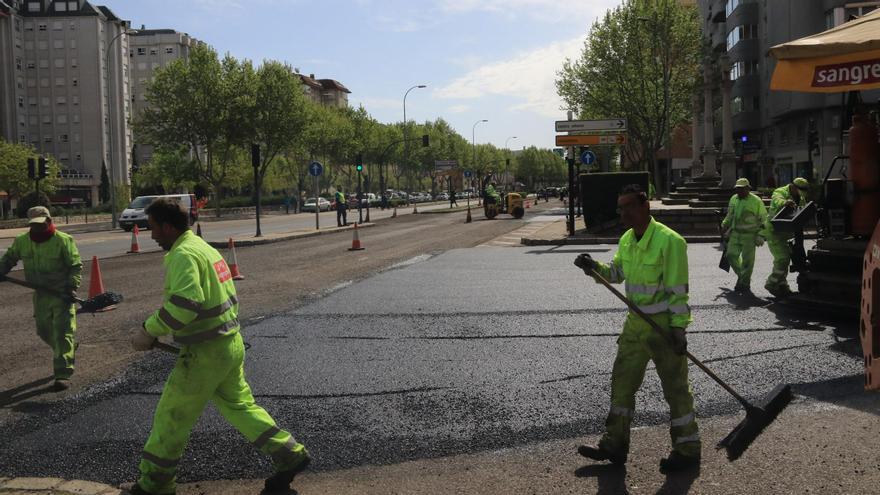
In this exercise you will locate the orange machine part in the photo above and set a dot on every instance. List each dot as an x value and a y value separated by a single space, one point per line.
864 172
869 326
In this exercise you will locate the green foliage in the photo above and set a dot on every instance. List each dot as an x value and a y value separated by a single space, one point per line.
14 171
640 62
30 200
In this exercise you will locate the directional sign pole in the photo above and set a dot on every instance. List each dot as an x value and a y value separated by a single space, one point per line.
317 205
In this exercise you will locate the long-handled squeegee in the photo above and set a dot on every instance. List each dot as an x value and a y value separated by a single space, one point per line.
90 305
757 417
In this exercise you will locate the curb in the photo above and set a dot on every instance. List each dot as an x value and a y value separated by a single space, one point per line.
287 237
55 486
563 241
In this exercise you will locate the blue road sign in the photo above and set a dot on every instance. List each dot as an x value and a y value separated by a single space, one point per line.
468 173
588 157
315 169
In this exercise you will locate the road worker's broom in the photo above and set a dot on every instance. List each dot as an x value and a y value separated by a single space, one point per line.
757 416
90 305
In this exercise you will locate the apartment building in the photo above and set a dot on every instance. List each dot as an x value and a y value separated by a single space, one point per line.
150 50
328 92
65 88
770 128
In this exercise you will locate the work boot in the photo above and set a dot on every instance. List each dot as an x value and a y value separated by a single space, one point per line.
678 462
780 292
61 384
280 482
601 454
738 287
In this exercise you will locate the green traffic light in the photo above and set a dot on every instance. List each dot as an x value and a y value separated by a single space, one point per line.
359 168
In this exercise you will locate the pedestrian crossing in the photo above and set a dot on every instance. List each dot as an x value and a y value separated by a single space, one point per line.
513 239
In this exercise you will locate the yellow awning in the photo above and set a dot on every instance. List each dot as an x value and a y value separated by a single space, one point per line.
845 58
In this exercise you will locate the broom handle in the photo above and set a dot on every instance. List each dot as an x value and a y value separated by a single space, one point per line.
635 309
37 287
162 346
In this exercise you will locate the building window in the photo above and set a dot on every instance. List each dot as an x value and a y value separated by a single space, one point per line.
59 81
60 6
47 139
75 118
58 44
63 138
44 101
41 26
17 63
43 45
32 83
142 51
57 26
61 100
22 139
33 6
72 26
31 64
62 118
78 156
75 101
73 45
28 26
153 51
73 6
18 25
19 81
44 82
44 63
21 101
743 68
852 12
28 45
75 82
33 120
47 119
59 63
73 62
169 50
32 101
739 33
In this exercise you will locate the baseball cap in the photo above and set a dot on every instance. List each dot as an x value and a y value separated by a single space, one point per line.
801 183
38 214
743 182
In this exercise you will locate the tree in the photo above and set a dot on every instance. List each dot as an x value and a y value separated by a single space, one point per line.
14 171
641 62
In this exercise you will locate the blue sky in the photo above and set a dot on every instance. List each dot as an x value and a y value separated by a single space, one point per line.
481 59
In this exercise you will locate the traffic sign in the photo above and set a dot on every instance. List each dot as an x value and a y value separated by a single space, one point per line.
468 173
591 125
588 139
445 164
315 169
588 157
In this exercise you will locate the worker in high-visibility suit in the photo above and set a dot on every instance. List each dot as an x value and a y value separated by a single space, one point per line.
341 207
200 312
793 195
652 259
50 260
744 223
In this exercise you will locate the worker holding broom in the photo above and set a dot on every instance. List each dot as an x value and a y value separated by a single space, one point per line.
652 259
51 261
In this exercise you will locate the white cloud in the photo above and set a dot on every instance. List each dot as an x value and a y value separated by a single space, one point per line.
458 108
545 10
529 77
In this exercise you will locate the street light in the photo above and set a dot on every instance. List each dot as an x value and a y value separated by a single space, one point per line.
474 144
109 125
405 126
506 177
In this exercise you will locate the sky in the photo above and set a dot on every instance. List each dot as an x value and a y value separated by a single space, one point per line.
480 59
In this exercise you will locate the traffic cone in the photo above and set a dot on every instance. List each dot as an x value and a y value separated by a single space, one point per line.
199 229
135 247
468 219
355 241
236 275
394 213
96 283
528 205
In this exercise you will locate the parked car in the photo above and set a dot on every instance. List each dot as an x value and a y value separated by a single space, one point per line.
442 197
134 214
309 205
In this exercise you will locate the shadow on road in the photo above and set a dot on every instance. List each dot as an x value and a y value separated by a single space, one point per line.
740 301
679 483
568 250
610 477
846 391
26 391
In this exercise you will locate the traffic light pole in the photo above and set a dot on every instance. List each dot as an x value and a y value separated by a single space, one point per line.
360 201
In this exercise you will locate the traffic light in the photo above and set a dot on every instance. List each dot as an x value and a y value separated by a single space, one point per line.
425 141
812 138
32 168
43 170
359 162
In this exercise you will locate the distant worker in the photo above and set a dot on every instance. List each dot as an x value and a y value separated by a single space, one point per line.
652 259
452 201
744 226
51 260
341 207
491 194
794 196
200 312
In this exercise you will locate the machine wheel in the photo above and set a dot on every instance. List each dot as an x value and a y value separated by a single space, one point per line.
518 212
490 212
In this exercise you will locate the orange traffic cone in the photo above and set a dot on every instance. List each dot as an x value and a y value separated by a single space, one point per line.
528 205
236 275
96 283
355 241
468 219
394 213
135 247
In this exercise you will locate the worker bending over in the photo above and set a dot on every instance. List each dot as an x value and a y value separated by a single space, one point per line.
744 225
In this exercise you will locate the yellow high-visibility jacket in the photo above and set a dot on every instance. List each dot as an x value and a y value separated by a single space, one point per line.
200 302
780 196
745 216
655 269
54 263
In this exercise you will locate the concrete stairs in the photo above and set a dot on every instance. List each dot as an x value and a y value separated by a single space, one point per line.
701 193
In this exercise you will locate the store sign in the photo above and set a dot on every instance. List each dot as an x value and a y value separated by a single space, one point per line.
848 74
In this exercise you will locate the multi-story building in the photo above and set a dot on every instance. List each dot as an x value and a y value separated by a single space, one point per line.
64 72
770 128
149 50
327 92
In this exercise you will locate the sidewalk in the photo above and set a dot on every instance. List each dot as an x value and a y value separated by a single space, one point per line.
812 447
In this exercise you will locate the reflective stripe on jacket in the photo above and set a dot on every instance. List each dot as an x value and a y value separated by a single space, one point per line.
780 196
655 269
745 216
54 263
200 302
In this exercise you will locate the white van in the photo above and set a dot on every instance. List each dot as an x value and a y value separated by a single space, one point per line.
134 214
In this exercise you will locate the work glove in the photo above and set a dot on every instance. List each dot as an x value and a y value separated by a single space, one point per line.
679 340
141 340
791 204
759 241
585 262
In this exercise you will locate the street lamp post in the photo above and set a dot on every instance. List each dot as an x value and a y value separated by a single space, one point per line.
405 126
474 164
110 127
506 171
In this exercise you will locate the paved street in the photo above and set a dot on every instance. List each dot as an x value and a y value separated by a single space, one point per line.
449 352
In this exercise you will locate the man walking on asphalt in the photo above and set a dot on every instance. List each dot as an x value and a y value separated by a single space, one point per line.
746 216
200 312
792 195
51 260
652 258
452 201
340 208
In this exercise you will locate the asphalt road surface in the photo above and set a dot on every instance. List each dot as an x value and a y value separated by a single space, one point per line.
446 352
